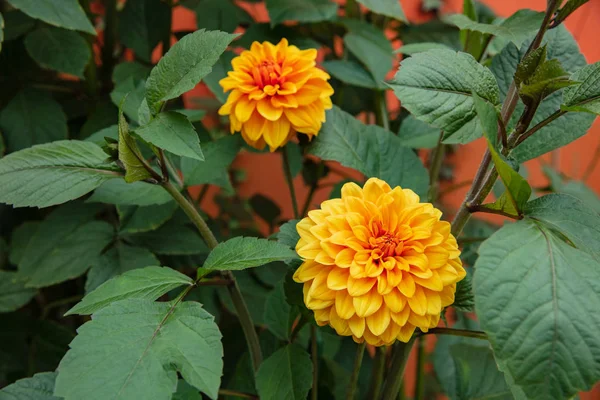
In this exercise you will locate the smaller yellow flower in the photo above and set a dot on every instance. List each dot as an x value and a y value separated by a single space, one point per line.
377 263
276 90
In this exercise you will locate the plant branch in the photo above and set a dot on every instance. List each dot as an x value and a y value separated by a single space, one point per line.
456 332
483 209
360 351
235 393
381 115
314 353
434 168
394 380
538 126
419 380
377 374
290 181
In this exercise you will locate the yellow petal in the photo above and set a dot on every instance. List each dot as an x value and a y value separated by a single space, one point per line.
379 321
434 303
268 111
254 126
358 287
406 333
357 325
394 300
343 304
338 279
418 302
276 133
345 257
368 303
401 317
339 324
307 271
407 284
351 189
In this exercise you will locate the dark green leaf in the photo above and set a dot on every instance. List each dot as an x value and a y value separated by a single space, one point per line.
135 219
20 239
418 135
569 7
98 138
533 295
300 10
279 315
265 208
351 73
414 48
517 187
68 14
129 154
136 352
294 153
287 374
222 15
548 77
371 150
246 252
119 192
53 173
371 47
1 31
463 298
32 117
219 71
436 87
16 24
184 65
218 155
128 95
142 25
288 234
389 8
488 118
126 70
147 283
13 294
586 96
185 391
38 387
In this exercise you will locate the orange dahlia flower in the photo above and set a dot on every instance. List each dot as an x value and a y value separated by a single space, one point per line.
276 90
377 263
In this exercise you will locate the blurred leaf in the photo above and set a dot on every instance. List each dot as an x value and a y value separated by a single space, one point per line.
13 294
296 158
134 70
261 32
433 31
98 138
288 234
566 10
279 315
70 15
389 8
130 93
218 155
287 374
21 236
219 71
38 387
417 134
370 45
351 73
59 49
129 154
517 187
246 252
135 219
185 391
300 10
32 117
16 24
119 192
265 208
414 48
142 24
221 15
586 96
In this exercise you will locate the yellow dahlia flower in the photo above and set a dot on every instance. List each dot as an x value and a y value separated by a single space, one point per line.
276 90
377 263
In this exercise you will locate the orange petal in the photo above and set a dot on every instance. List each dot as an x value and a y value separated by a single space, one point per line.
268 111
358 287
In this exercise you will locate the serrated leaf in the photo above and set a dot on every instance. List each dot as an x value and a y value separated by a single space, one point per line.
436 87
53 173
58 49
351 73
173 132
128 95
147 283
585 96
117 260
463 298
533 294
300 10
246 252
370 45
32 117
184 65
288 234
13 294
517 187
218 155
223 15
135 219
488 119
287 374
119 192
389 8
371 150
68 14
548 77
129 153
64 246
38 387
142 24
136 352
279 315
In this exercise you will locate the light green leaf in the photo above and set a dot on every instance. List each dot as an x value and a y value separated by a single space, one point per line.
586 96
184 65
279 315
288 234
300 10
222 15
135 219
436 86
58 49
351 73
13 294
517 188
98 138
534 294
128 95
414 48
68 14
116 261
488 119
173 132
287 374
129 153
119 192
142 24
389 8
246 252
417 134
185 391
371 150
38 387
32 117
53 173
147 283
370 45
64 246
218 155
136 352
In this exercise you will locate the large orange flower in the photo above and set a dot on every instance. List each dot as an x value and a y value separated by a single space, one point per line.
377 263
276 90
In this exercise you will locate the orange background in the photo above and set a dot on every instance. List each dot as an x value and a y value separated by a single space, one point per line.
265 175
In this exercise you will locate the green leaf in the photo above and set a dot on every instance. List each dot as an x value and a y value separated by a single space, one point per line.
32 117
117 260
436 87
586 96
246 252
287 374
389 8
218 155
58 49
300 10
20 239
13 294
351 73
288 234
265 208
129 154
278 313
68 14
219 71
221 15
370 45
173 132
136 351
53 173
184 65
64 246
17 24
147 283
119 192
126 70
1 31
414 48
569 7
569 216
517 188
142 24
534 294
418 135
549 77
129 95
98 138
185 391
488 118
463 298
38 387
371 150
192 115
135 219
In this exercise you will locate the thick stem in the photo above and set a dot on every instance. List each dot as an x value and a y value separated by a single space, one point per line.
377 375
360 351
538 126
395 377
290 181
234 290
314 352
420 375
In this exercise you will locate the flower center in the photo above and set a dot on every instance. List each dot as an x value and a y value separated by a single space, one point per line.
266 73
390 245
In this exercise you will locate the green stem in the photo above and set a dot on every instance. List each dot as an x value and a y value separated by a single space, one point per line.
314 351
420 375
313 190
290 181
395 377
110 34
377 376
435 167
456 332
381 115
234 290
360 351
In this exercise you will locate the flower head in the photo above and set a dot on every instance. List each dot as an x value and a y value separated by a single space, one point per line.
276 90
377 263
